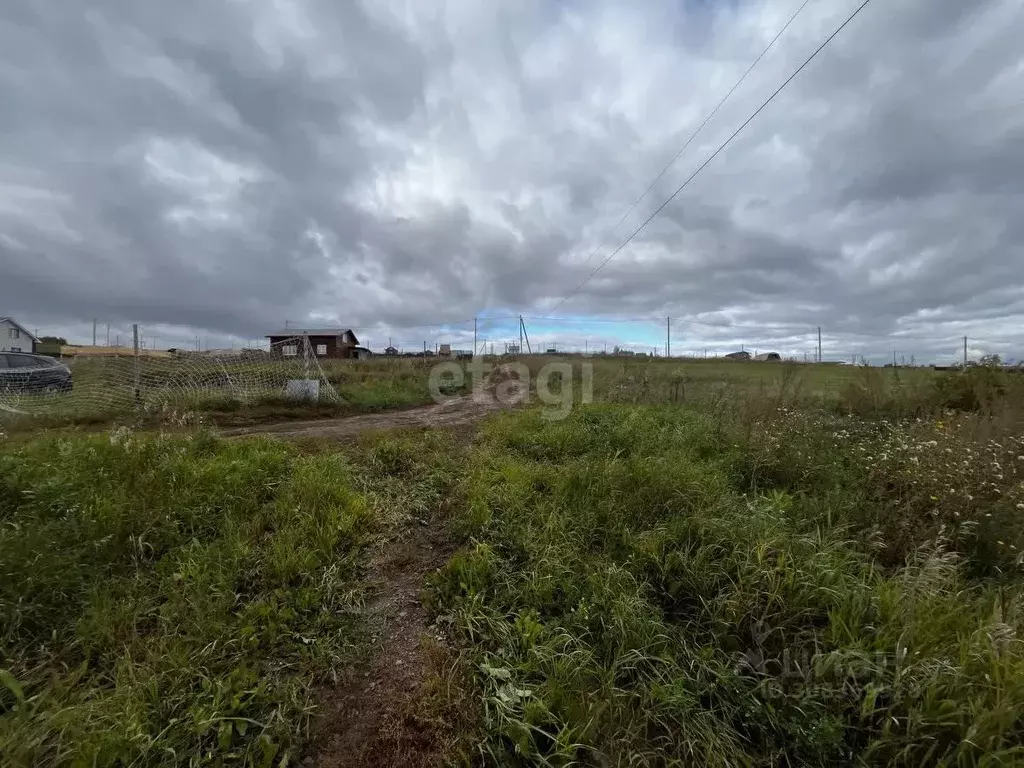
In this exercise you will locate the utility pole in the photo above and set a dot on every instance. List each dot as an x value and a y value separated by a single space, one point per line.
523 327
894 358
965 351
474 337
424 349
586 346
668 337
94 332
819 343
108 334
135 347
520 334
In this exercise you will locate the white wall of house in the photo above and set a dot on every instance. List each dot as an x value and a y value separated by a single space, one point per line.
14 338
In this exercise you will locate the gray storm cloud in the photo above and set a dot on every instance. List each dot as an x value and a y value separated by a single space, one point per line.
217 167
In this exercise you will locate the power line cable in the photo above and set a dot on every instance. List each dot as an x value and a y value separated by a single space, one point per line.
715 154
700 127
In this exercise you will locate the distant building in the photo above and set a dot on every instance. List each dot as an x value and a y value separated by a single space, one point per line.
390 351
770 357
742 355
338 343
445 351
14 337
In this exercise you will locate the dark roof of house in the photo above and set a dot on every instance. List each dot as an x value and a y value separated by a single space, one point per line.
312 332
21 327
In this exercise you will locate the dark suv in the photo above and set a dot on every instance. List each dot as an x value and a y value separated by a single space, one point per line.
22 372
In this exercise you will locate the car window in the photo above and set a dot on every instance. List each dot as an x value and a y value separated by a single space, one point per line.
25 361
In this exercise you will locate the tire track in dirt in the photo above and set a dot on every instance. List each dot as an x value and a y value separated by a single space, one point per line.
455 412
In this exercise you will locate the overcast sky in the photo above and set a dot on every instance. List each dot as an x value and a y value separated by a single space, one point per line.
216 168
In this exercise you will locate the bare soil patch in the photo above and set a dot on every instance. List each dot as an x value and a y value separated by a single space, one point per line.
375 718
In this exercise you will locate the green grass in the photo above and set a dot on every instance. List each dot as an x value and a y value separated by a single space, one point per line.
171 600
697 571
664 585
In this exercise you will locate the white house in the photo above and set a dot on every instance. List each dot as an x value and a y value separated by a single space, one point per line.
15 337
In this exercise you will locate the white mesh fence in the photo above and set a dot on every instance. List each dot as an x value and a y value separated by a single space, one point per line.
100 385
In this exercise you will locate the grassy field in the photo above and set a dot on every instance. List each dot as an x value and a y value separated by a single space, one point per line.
648 585
180 600
713 564
239 391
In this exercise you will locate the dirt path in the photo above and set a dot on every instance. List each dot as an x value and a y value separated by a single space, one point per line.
501 389
462 410
378 718
375 719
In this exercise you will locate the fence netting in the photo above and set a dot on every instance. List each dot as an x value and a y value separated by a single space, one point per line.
161 381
